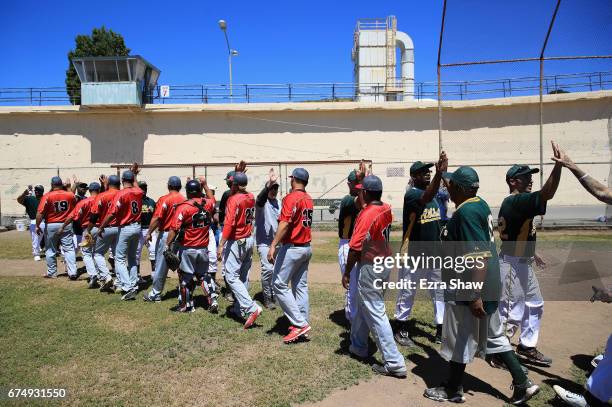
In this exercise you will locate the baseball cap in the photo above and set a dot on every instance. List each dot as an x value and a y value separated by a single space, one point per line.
229 175
464 176
174 182
240 178
419 165
56 181
114 180
300 173
517 170
352 177
371 183
94 186
82 185
39 188
127 176
142 184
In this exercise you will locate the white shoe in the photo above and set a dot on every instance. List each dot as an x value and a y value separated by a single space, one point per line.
36 258
596 360
572 399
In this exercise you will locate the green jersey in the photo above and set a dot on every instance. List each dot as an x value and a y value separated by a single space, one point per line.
347 216
421 223
31 205
515 223
146 214
469 233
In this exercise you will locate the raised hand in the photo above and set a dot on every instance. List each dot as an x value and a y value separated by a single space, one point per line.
135 168
202 180
241 166
561 157
442 164
272 177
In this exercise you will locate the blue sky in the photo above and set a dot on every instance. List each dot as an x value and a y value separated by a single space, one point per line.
308 41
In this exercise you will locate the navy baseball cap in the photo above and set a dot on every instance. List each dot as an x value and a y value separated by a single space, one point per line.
114 180
300 173
127 176
174 182
39 188
94 186
464 176
240 179
420 165
56 181
518 170
82 185
371 183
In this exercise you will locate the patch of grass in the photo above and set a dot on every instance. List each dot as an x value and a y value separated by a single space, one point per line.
56 334
15 245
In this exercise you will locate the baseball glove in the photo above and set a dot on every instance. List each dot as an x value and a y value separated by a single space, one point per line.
172 260
87 241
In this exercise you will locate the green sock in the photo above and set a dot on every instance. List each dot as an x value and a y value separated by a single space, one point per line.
514 366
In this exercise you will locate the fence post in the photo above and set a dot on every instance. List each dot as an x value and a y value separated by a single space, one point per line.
206 95
31 96
600 82
510 87
289 87
193 171
202 92
246 91
333 92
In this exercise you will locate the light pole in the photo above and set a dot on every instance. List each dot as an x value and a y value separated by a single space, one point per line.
230 53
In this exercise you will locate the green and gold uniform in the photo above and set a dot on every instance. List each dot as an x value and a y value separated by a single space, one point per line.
421 223
31 205
347 216
515 223
470 230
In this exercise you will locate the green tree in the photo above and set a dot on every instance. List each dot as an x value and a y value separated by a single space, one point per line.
101 43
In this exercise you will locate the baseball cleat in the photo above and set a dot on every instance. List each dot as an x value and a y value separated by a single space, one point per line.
403 338
130 295
214 307
269 304
523 392
73 278
93 283
572 399
107 284
36 258
596 360
149 298
296 333
532 355
382 370
51 276
252 317
182 308
444 393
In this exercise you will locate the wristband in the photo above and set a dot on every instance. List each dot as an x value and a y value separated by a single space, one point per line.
583 177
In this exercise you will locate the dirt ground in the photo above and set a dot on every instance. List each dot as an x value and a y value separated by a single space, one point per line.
572 330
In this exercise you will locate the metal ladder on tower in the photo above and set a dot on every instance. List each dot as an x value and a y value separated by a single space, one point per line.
391 29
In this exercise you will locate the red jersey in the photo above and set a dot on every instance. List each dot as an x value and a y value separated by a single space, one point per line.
55 206
196 225
297 211
165 209
127 205
371 232
82 211
102 206
239 216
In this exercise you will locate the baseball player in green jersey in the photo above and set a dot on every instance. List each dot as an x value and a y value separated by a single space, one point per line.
522 305
349 209
421 238
471 318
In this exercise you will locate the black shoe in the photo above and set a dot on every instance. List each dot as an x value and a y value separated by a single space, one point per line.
130 295
438 338
93 283
182 309
532 355
269 304
213 308
73 278
107 284
496 361
382 370
402 336
444 393
229 297
523 392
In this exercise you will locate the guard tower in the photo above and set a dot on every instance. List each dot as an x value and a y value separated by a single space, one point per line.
375 42
115 81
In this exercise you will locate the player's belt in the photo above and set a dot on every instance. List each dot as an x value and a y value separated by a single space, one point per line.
298 244
524 260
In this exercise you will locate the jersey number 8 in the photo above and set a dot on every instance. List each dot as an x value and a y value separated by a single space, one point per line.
134 206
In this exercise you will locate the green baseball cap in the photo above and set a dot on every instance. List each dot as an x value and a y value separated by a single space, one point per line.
352 177
229 175
464 176
518 170
420 165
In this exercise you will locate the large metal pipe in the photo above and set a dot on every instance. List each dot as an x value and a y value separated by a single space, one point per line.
406 46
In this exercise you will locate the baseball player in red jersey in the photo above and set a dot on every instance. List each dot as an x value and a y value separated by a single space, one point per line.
126 209
99 210
191 223
236 247
291 265
370 240
54 208
162 220
80 216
